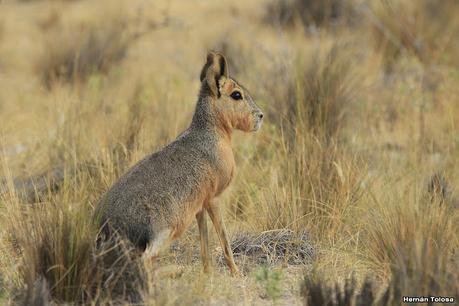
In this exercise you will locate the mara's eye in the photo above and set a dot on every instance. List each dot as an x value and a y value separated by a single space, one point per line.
236 95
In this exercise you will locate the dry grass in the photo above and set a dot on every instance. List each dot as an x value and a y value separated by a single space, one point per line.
73 54
310 13
416 265
422 30
358 150
60 256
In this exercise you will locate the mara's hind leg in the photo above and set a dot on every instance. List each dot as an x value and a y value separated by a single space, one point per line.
158 244
217 220
204 239
154 249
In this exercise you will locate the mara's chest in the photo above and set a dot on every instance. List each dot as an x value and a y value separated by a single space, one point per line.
224 168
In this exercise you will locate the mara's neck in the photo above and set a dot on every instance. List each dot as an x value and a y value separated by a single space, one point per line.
205 119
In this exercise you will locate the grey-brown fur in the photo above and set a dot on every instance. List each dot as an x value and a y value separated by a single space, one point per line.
157 199
169 176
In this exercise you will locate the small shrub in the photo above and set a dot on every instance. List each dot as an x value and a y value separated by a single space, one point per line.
270 280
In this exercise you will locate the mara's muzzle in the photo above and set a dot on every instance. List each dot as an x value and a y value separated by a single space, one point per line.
258 117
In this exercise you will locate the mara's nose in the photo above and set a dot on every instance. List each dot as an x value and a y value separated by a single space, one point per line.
260 115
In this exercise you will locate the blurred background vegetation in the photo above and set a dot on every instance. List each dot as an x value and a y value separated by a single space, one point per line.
353 173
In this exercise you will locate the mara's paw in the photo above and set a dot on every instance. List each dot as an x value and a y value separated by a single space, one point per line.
236 273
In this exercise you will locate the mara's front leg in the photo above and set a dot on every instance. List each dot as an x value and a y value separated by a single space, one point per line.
217 220
204 239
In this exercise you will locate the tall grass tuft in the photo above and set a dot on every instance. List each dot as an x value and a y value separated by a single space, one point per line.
62 258
308 12
317 92
75 52
424 271
423 29
416 241
325 92
312 186
63 261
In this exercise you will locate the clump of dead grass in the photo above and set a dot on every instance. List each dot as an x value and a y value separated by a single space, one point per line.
274 247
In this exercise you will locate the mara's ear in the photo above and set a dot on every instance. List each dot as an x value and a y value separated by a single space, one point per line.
215 67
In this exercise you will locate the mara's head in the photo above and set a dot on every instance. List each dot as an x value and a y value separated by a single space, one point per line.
230 103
